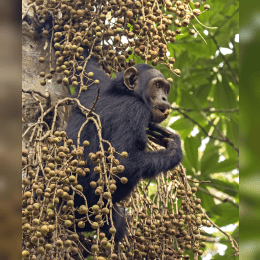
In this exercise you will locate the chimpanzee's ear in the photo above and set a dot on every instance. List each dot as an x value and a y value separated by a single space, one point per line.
131 78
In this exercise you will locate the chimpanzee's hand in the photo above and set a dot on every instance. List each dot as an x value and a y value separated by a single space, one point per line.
174 144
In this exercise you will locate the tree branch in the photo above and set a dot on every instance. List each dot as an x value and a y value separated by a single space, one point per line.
236 79
29 91
224 22
233 242
95 102
223 139
216 197
208 110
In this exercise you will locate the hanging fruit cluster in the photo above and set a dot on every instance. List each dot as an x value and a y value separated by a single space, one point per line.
158 228
48 196
115 31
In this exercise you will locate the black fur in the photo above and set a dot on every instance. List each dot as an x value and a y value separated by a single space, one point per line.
125 115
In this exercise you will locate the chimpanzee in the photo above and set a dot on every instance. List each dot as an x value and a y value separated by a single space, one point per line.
135 100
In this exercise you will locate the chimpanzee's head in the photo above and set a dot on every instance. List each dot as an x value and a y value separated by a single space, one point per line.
151 85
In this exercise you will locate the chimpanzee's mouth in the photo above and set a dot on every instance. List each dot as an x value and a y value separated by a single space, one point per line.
164 111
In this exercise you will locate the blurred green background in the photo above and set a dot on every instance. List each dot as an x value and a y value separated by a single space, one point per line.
195 73
249 130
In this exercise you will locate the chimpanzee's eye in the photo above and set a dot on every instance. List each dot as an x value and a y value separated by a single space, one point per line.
167 90
157 84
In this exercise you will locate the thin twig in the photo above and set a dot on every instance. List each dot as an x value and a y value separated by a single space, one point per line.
216 197
233 242
236 79
29 91
224 21
199 33
95 102
198 181
223 139
209 110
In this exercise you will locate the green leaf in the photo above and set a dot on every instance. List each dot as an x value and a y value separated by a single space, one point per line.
232 153
229 253
235 233
228 214
233 131
137 60
183 126
187 165
202 92
219 125
224 96
226 165
201 135
189 101
166 73
231 189
191 145
152 189
210 158
209 162
72 90
207 201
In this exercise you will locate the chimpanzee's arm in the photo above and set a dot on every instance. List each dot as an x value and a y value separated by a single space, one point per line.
148 165
162 160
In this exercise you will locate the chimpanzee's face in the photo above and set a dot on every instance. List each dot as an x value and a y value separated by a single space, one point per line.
156 89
